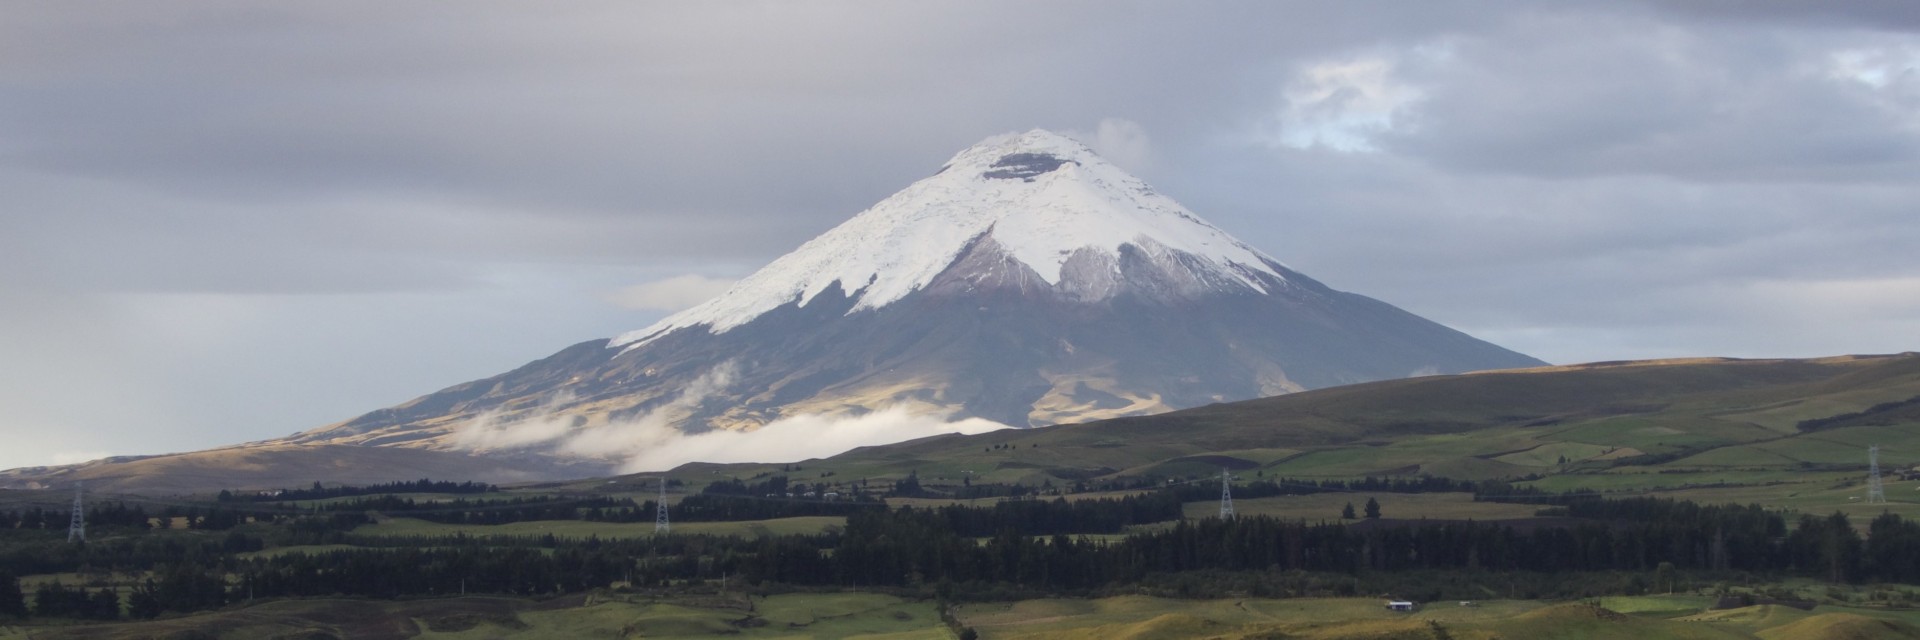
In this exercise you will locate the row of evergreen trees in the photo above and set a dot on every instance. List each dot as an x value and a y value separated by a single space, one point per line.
730 500
110 514
178 588
909 548
121 515
890 548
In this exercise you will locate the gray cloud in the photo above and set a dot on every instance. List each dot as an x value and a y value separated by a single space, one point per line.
239 220
1573 95
670 294
1877 14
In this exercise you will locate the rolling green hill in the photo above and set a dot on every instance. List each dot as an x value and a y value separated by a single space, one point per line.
1704 428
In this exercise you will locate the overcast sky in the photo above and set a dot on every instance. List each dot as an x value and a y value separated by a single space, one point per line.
223 222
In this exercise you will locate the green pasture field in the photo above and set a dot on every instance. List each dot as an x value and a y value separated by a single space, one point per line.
1481 454
1349 462
872 616
1643 480
1148 617
1552 454
1751 619
1664 605
864 616
1734 421
1899 448
1678 617
309 549
1658 435
1261 456
1785 416
867 616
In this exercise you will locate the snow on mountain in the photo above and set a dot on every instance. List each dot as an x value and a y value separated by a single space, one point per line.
1028 282
1043 199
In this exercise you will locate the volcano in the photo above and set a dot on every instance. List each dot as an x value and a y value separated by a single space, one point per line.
1028 282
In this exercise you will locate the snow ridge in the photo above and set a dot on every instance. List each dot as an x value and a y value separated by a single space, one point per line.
1041 197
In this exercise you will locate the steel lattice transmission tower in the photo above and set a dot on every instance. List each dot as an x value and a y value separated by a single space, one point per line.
660 521
1876 490
1226 495
77 527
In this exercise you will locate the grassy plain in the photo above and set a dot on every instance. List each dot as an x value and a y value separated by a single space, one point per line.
1642 618
871 616
1142 616
602 615
310 549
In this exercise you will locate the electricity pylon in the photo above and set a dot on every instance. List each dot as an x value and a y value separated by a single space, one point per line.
1226 495
1876 490
660 524
77 527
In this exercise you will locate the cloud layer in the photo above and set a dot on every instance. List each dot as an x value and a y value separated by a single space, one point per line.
652 442
670 294
799 438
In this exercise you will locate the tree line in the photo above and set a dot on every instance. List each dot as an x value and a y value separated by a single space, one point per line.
1264 488
912 548
902 546
111 514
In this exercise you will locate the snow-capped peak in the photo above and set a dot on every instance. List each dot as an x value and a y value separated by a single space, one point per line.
1040 196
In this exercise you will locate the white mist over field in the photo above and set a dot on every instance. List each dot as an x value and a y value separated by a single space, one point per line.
650 442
